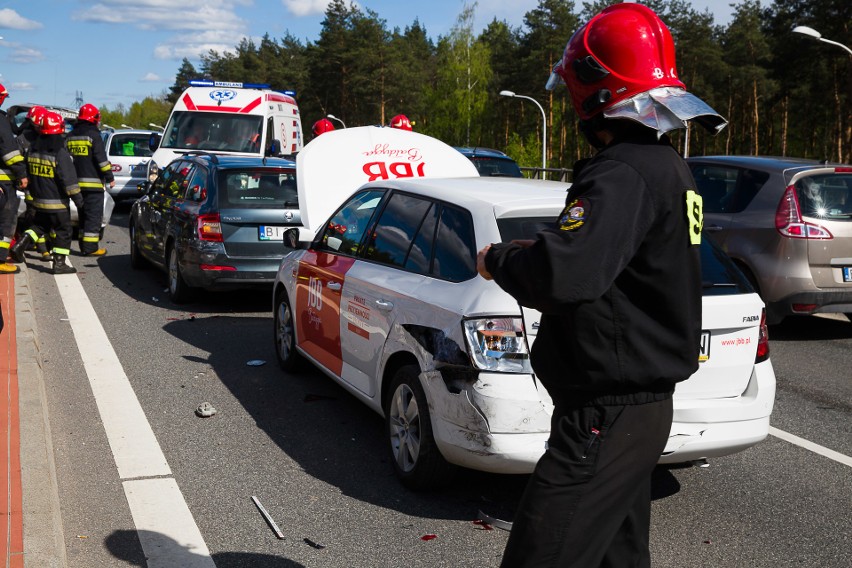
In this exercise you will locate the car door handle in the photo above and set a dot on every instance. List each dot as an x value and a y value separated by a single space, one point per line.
713 228
384 305
334 286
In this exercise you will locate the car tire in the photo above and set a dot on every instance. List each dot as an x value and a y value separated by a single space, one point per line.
137 261
285 335
179 291
415 456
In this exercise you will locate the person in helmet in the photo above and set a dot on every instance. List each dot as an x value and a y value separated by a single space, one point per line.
94 170
322 126
52 183
26 136
13 174
401 121
617 279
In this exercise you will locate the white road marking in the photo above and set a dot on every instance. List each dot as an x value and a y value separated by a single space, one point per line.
168 533
808 445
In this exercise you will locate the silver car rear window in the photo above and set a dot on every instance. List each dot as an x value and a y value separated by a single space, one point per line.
826 196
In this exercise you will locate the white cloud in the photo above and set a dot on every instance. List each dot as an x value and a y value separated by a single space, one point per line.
150 78
23 54
306 7
12 20
22 87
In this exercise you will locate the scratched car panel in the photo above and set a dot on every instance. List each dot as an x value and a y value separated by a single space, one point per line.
385 299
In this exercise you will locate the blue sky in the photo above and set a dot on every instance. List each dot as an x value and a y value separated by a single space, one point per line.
115 52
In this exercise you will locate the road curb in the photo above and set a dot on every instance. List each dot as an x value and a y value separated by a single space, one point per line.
44 543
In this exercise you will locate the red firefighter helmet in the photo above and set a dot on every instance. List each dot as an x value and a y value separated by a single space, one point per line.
52 123
322 126
624 50
89 113
3 94
35 113
401 121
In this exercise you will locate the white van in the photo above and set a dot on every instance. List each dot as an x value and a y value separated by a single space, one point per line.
230 118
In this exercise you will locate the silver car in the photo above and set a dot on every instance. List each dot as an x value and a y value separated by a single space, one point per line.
129 152
787 223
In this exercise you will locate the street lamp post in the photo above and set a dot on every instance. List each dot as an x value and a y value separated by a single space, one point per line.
543 129
805 30
332 117
157 126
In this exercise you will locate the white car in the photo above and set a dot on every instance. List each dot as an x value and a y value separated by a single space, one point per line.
109 205
385 299
129 152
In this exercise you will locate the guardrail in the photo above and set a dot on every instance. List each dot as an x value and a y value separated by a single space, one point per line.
554 174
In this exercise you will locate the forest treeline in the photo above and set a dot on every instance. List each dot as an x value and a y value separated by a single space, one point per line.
783 93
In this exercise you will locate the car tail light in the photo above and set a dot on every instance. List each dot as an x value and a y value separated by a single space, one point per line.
788 219
218 267
498 344
842 170
210 227
803 308
762 340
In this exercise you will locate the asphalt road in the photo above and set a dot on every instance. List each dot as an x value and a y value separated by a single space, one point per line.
316 458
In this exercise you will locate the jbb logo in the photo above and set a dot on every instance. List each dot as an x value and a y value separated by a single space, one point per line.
384 170
315 293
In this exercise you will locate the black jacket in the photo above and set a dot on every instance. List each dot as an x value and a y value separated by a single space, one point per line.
618 279
52 178
12 166
90 159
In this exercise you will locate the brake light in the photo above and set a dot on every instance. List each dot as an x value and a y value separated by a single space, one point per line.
762 340
221 268
210 227
843 170
788 219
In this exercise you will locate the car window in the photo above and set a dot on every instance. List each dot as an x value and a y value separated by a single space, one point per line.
495 167
170 183
455 242
399 222
420 255
345 229
826 196
719 275
196 188
258 188
232 132
135 145
749 183
716 184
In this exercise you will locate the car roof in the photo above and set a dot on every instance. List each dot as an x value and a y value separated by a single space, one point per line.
228 161
768 163
502 194
128 131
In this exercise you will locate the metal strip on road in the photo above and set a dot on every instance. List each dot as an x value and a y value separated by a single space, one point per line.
815 448
167 531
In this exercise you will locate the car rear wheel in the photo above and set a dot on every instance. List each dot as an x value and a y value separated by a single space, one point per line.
285 335
415 455
179 290
136 259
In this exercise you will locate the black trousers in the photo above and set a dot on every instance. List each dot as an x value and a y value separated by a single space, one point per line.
588 502
59 221
91 219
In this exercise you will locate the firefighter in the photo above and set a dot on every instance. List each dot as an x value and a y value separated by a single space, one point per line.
52 182
86 146
26 136
401 121
608 353
322 126
13 174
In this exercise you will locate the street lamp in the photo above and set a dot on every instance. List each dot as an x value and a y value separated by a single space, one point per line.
125 126
152 125
805 30
332 117
543 129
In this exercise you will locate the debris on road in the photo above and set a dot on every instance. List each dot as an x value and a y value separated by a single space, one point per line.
268 518
505 525
316 545
429 537
256 363
205 409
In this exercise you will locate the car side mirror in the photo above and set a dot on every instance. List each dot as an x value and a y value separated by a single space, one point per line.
143 187
274 148
291 238
154 141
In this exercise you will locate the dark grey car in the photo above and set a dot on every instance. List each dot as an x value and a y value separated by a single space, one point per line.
787 223
215 222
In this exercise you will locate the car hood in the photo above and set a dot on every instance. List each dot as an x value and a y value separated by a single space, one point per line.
332 166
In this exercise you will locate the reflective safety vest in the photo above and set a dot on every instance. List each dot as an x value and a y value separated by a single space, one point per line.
86 147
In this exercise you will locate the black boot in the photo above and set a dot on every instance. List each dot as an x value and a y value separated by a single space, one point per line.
22 244
60 266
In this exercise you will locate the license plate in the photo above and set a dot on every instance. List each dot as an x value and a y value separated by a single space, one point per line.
847 273
268 233
704 350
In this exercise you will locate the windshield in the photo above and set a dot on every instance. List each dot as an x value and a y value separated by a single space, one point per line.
223 132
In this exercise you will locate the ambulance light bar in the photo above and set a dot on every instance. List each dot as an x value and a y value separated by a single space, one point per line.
233 85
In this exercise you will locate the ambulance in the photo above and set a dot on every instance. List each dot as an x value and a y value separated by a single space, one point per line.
247 119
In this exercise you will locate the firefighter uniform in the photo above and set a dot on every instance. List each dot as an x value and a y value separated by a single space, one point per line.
93 171
53 181
26 136
12 171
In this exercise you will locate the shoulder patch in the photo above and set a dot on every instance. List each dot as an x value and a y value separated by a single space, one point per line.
574 216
